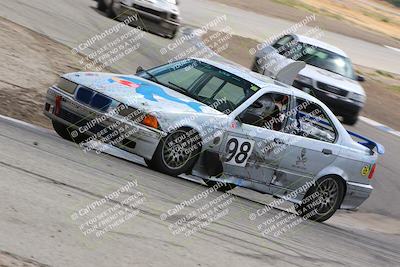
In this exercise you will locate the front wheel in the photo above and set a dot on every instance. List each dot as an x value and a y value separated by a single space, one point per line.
254 66
62 130
110 11
73 135
101 5
322 200
350 120
173 34
176 153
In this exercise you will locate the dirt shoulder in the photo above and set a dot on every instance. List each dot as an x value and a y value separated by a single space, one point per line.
364 22
30 63
382 88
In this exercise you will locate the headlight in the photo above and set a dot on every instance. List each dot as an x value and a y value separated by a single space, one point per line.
150 121
137 116
357 97
130 113
304 79
66 85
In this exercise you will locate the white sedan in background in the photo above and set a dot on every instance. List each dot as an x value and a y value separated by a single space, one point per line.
328 75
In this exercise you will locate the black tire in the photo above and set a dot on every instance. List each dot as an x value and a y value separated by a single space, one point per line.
172 34
101 5
254 66
350 120
110 11
322 200
222 188
149 163
62 130
176 153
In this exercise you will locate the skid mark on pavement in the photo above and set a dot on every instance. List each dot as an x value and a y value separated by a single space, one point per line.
11 259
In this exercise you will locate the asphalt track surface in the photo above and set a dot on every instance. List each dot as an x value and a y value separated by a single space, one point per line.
45 179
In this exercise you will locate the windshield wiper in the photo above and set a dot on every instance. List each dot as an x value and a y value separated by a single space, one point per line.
180 88
152 77
184 91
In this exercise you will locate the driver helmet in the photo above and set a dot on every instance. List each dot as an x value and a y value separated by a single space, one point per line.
264 106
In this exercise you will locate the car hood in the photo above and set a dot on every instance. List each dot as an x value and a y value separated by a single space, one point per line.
164 5
321 75
140 93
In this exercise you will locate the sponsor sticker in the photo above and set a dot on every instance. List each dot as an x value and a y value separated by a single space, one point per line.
238 150
365 170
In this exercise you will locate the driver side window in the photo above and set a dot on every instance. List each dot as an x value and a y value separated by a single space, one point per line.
269 111
312 122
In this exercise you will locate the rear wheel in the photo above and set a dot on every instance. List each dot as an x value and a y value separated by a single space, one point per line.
176 153
323 199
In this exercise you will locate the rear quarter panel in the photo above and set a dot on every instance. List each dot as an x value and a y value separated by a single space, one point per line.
350 165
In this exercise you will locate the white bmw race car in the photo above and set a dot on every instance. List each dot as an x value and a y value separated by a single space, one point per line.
222 123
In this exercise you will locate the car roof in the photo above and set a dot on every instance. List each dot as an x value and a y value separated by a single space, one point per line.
244 73
318 43
262 81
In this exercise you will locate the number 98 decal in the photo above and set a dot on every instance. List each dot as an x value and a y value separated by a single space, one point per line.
238 150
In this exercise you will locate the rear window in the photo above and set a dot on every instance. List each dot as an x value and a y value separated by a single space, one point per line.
312 122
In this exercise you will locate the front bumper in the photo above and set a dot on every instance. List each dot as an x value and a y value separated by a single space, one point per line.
340 106
138 139
154 20
356 194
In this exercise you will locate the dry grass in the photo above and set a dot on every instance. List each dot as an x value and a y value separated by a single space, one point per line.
30 64
374 15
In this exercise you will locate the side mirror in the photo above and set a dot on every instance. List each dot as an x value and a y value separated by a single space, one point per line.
360 78
248 117
139 69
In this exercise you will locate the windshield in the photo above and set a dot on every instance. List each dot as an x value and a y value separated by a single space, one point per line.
320 58
205 83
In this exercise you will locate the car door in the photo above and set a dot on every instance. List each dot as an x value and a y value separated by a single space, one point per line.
311 147
253 150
